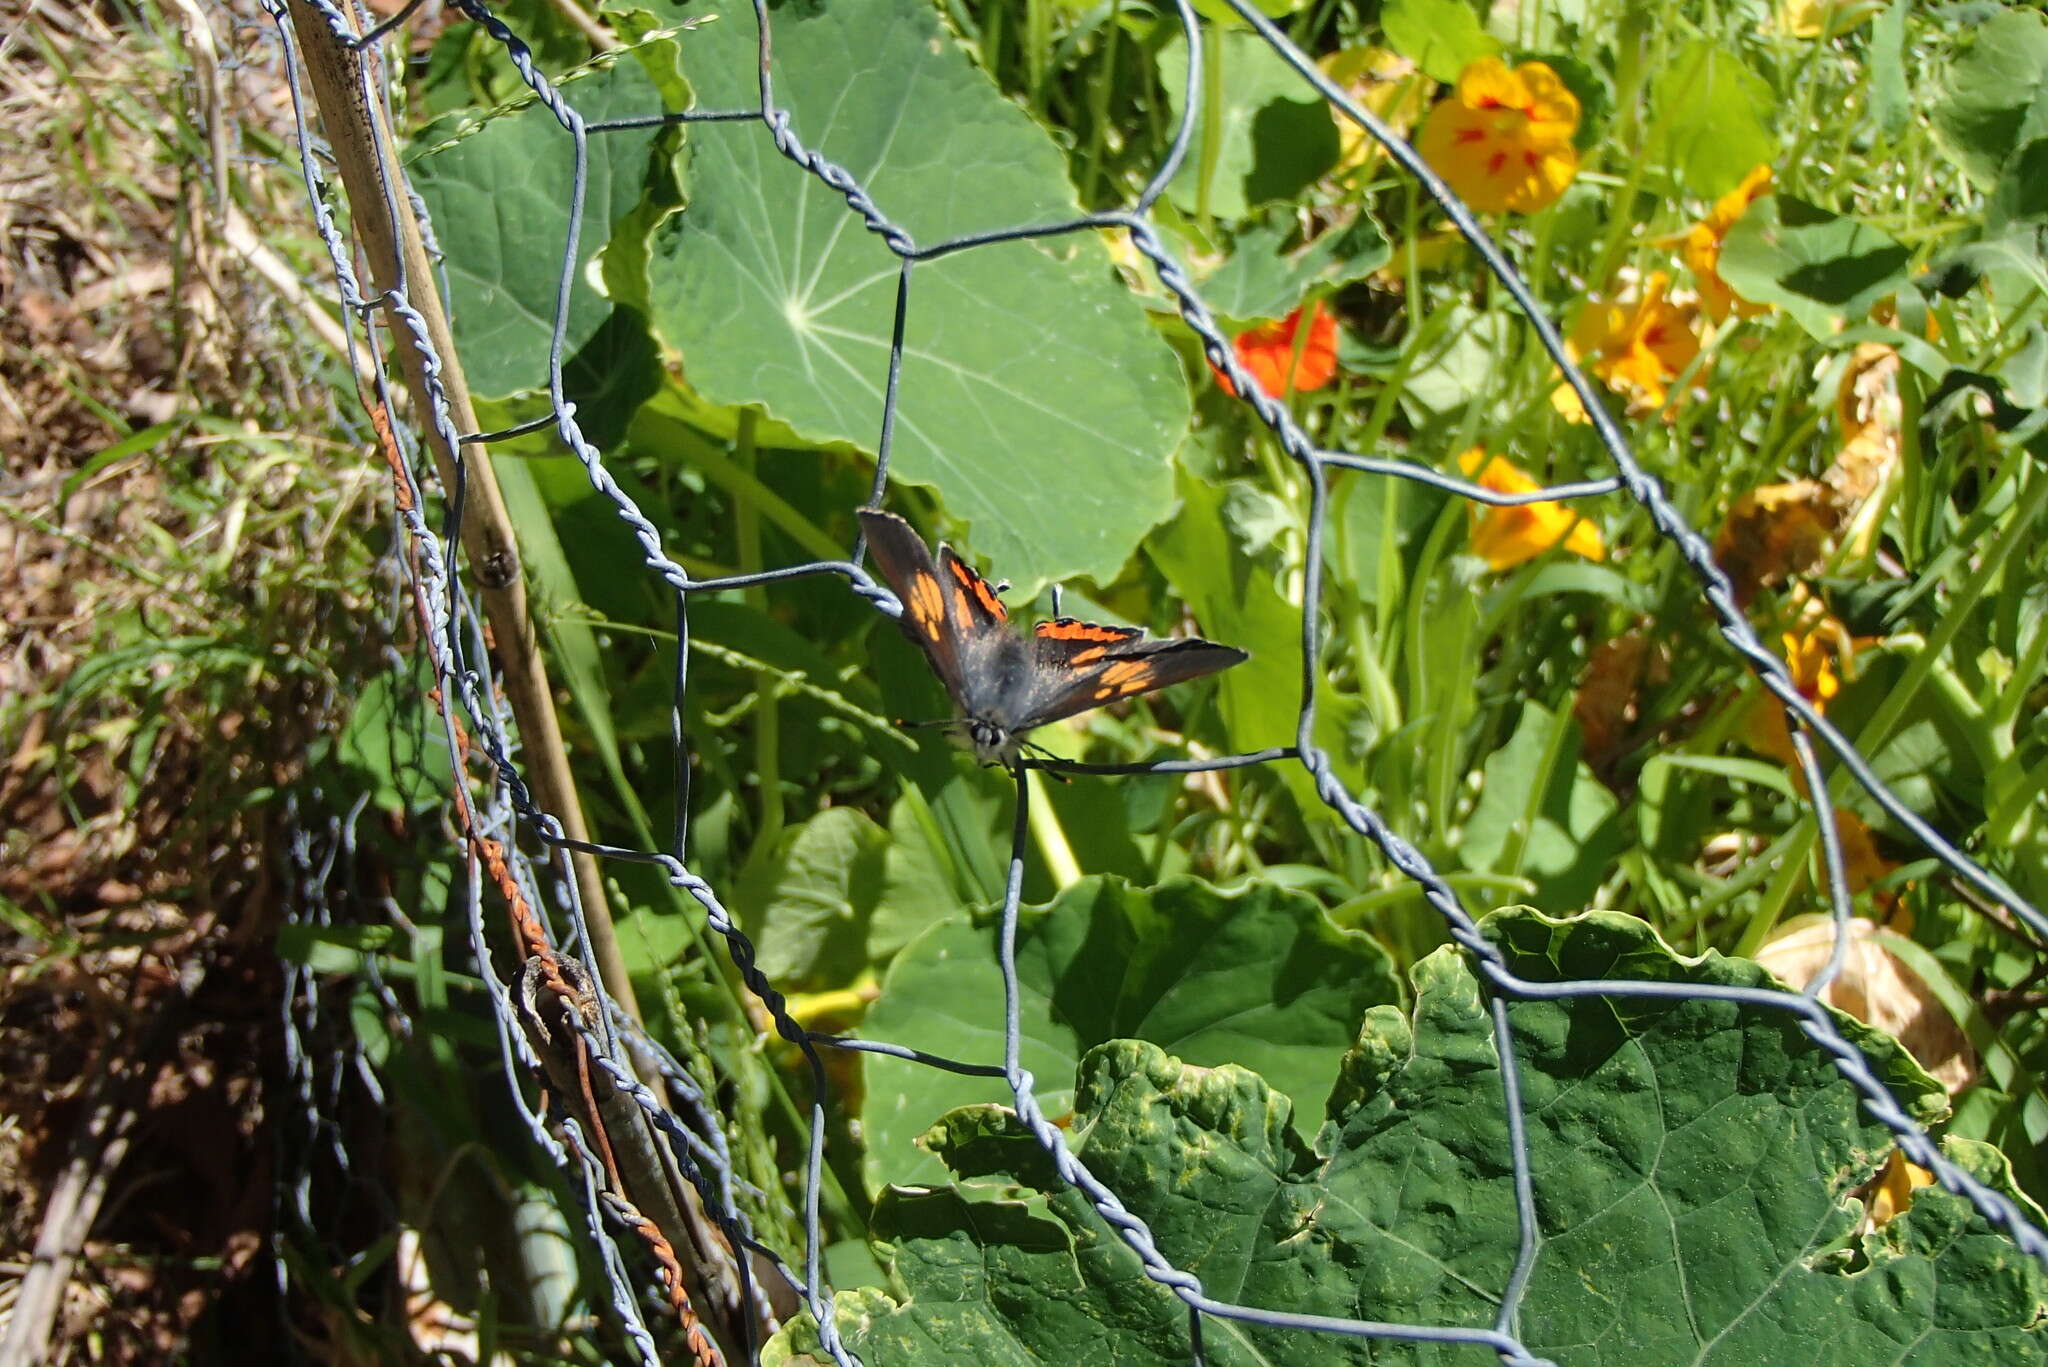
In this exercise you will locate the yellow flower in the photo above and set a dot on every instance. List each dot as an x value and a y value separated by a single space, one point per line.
1811 659
1505 537
1812 18
1636 349
1703 247
1384 83
1504 138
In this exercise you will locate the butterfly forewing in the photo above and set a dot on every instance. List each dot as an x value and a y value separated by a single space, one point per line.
908 568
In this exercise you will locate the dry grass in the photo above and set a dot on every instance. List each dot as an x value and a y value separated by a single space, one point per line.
179 566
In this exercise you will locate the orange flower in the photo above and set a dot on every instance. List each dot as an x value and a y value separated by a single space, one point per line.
1703 247
1268 353
1504 138
1505 537
1637 350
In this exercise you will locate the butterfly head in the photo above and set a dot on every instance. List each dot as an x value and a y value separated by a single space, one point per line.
991 743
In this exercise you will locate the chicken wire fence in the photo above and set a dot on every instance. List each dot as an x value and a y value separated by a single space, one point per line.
554 1016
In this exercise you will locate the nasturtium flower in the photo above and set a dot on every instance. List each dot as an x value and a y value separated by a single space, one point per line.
1810 658
1703 247
1268 353
1504 138
1505 537
1636 349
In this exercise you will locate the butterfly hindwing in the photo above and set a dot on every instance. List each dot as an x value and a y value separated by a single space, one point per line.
1080 665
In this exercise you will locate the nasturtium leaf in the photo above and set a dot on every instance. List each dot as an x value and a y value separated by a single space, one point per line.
1442 37
1274 134
1035 396
1542 815
1822 268
919 885
1260 282
498 191
1990 86
1692 1163
1257 975
1712 119
808 907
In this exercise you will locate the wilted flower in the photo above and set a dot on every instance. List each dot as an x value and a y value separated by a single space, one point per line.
1505 537
1384 83
1703 247
1268 353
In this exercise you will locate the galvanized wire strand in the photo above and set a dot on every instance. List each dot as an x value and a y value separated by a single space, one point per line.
704 1157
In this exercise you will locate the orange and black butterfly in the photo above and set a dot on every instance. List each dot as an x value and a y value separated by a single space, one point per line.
1002 683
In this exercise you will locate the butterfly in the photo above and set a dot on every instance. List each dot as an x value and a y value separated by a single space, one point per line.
1004 683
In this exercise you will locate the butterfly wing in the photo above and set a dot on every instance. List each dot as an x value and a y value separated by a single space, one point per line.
1079 665
948 609
901 556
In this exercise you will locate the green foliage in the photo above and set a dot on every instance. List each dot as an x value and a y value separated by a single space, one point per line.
1713 119
773 296
1821 268
1557 730
1692 1162
1257 976
1260 138
1442 37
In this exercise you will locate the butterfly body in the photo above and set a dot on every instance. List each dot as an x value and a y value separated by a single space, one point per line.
1004 684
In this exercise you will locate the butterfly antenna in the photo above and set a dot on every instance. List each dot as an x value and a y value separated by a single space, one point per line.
1043 758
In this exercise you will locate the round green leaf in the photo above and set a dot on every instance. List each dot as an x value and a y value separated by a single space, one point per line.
1035 396
1262 283
1990 85
1713 119
497 191
1274 135
1820 267
1442 37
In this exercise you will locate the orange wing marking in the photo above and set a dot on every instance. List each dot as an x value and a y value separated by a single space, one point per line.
926 606
982 592
1123 678
1067 629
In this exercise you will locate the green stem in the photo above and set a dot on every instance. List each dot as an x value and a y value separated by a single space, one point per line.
768 688
2020 524
1212 126
1051 837
1098 107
